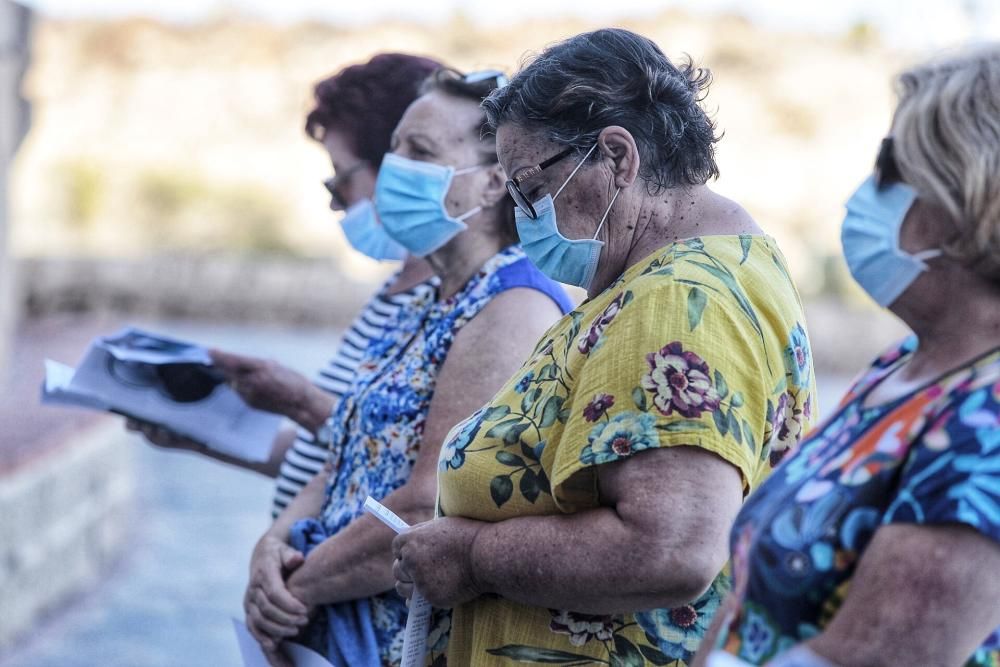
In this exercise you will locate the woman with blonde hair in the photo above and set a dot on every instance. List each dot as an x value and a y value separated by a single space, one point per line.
878 543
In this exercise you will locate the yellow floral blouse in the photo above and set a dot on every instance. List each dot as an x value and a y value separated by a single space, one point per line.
701 344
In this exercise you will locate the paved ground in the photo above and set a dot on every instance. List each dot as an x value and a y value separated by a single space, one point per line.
170 600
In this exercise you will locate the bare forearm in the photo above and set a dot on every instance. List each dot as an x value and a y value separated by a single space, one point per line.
570 562
357 562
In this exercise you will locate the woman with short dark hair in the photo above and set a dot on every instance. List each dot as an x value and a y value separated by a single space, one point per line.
584 509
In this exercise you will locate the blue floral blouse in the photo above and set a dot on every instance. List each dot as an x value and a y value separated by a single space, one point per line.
932 457
379 422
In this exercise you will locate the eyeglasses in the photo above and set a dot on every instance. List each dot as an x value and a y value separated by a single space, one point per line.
335 183
514 184
886 169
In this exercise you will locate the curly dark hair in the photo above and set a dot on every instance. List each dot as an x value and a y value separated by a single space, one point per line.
577 87
366 101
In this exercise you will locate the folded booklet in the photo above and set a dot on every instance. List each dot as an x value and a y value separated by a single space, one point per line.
169 382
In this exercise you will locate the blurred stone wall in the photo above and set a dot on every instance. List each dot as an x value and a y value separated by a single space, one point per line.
188 138
65 520
14 43
214 287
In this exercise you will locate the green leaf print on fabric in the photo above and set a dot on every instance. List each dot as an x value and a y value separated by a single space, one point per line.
746 241
547 656
508 459
551 411
626 654
501 489
748 435
697 256
496 413
655 656
721 423
682 425
720 385
530 485
695 306
639 398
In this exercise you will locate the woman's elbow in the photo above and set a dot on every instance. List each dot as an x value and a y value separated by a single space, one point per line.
683 577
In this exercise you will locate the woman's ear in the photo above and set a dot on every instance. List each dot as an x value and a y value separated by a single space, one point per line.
496 186
618 147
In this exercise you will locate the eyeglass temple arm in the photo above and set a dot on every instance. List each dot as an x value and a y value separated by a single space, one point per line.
537 169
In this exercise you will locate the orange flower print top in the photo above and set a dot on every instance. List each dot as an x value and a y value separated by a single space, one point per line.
700 344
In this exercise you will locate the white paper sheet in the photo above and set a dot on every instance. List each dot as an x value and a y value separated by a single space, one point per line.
418 619
253 656
128 374
56 391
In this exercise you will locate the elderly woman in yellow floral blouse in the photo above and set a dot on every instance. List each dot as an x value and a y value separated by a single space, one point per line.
584 511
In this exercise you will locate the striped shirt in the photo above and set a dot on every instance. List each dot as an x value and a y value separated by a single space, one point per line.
306 457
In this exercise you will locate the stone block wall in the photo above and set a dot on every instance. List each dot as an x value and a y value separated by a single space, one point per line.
64 518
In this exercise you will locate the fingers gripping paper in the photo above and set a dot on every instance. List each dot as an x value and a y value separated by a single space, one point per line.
419 619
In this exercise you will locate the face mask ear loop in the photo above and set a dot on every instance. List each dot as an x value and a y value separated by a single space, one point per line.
468 170
606 211
573 173
925 255
469 214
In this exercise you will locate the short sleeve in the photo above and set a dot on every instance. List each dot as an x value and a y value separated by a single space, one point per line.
646 378
952 474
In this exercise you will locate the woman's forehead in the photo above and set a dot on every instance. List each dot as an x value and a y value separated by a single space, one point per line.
444 118
518 147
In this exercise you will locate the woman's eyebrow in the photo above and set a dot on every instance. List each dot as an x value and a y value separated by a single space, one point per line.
420 136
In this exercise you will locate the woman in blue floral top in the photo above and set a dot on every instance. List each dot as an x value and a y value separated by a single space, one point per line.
441 195
878 542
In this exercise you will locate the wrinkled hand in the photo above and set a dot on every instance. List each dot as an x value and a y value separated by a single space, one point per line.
272 613
263 384
163 437
436 558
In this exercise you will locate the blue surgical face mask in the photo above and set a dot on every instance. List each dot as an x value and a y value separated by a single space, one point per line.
409 198
870 239
570 261
367 235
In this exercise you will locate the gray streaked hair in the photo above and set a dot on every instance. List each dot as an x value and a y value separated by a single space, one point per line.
946 136
576 88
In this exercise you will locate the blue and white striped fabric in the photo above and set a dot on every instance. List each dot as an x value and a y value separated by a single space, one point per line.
305 457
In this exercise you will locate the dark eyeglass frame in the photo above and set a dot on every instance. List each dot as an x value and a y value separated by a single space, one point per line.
886 170
514 184
337 181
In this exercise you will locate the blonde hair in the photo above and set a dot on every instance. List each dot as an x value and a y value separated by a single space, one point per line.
947 144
